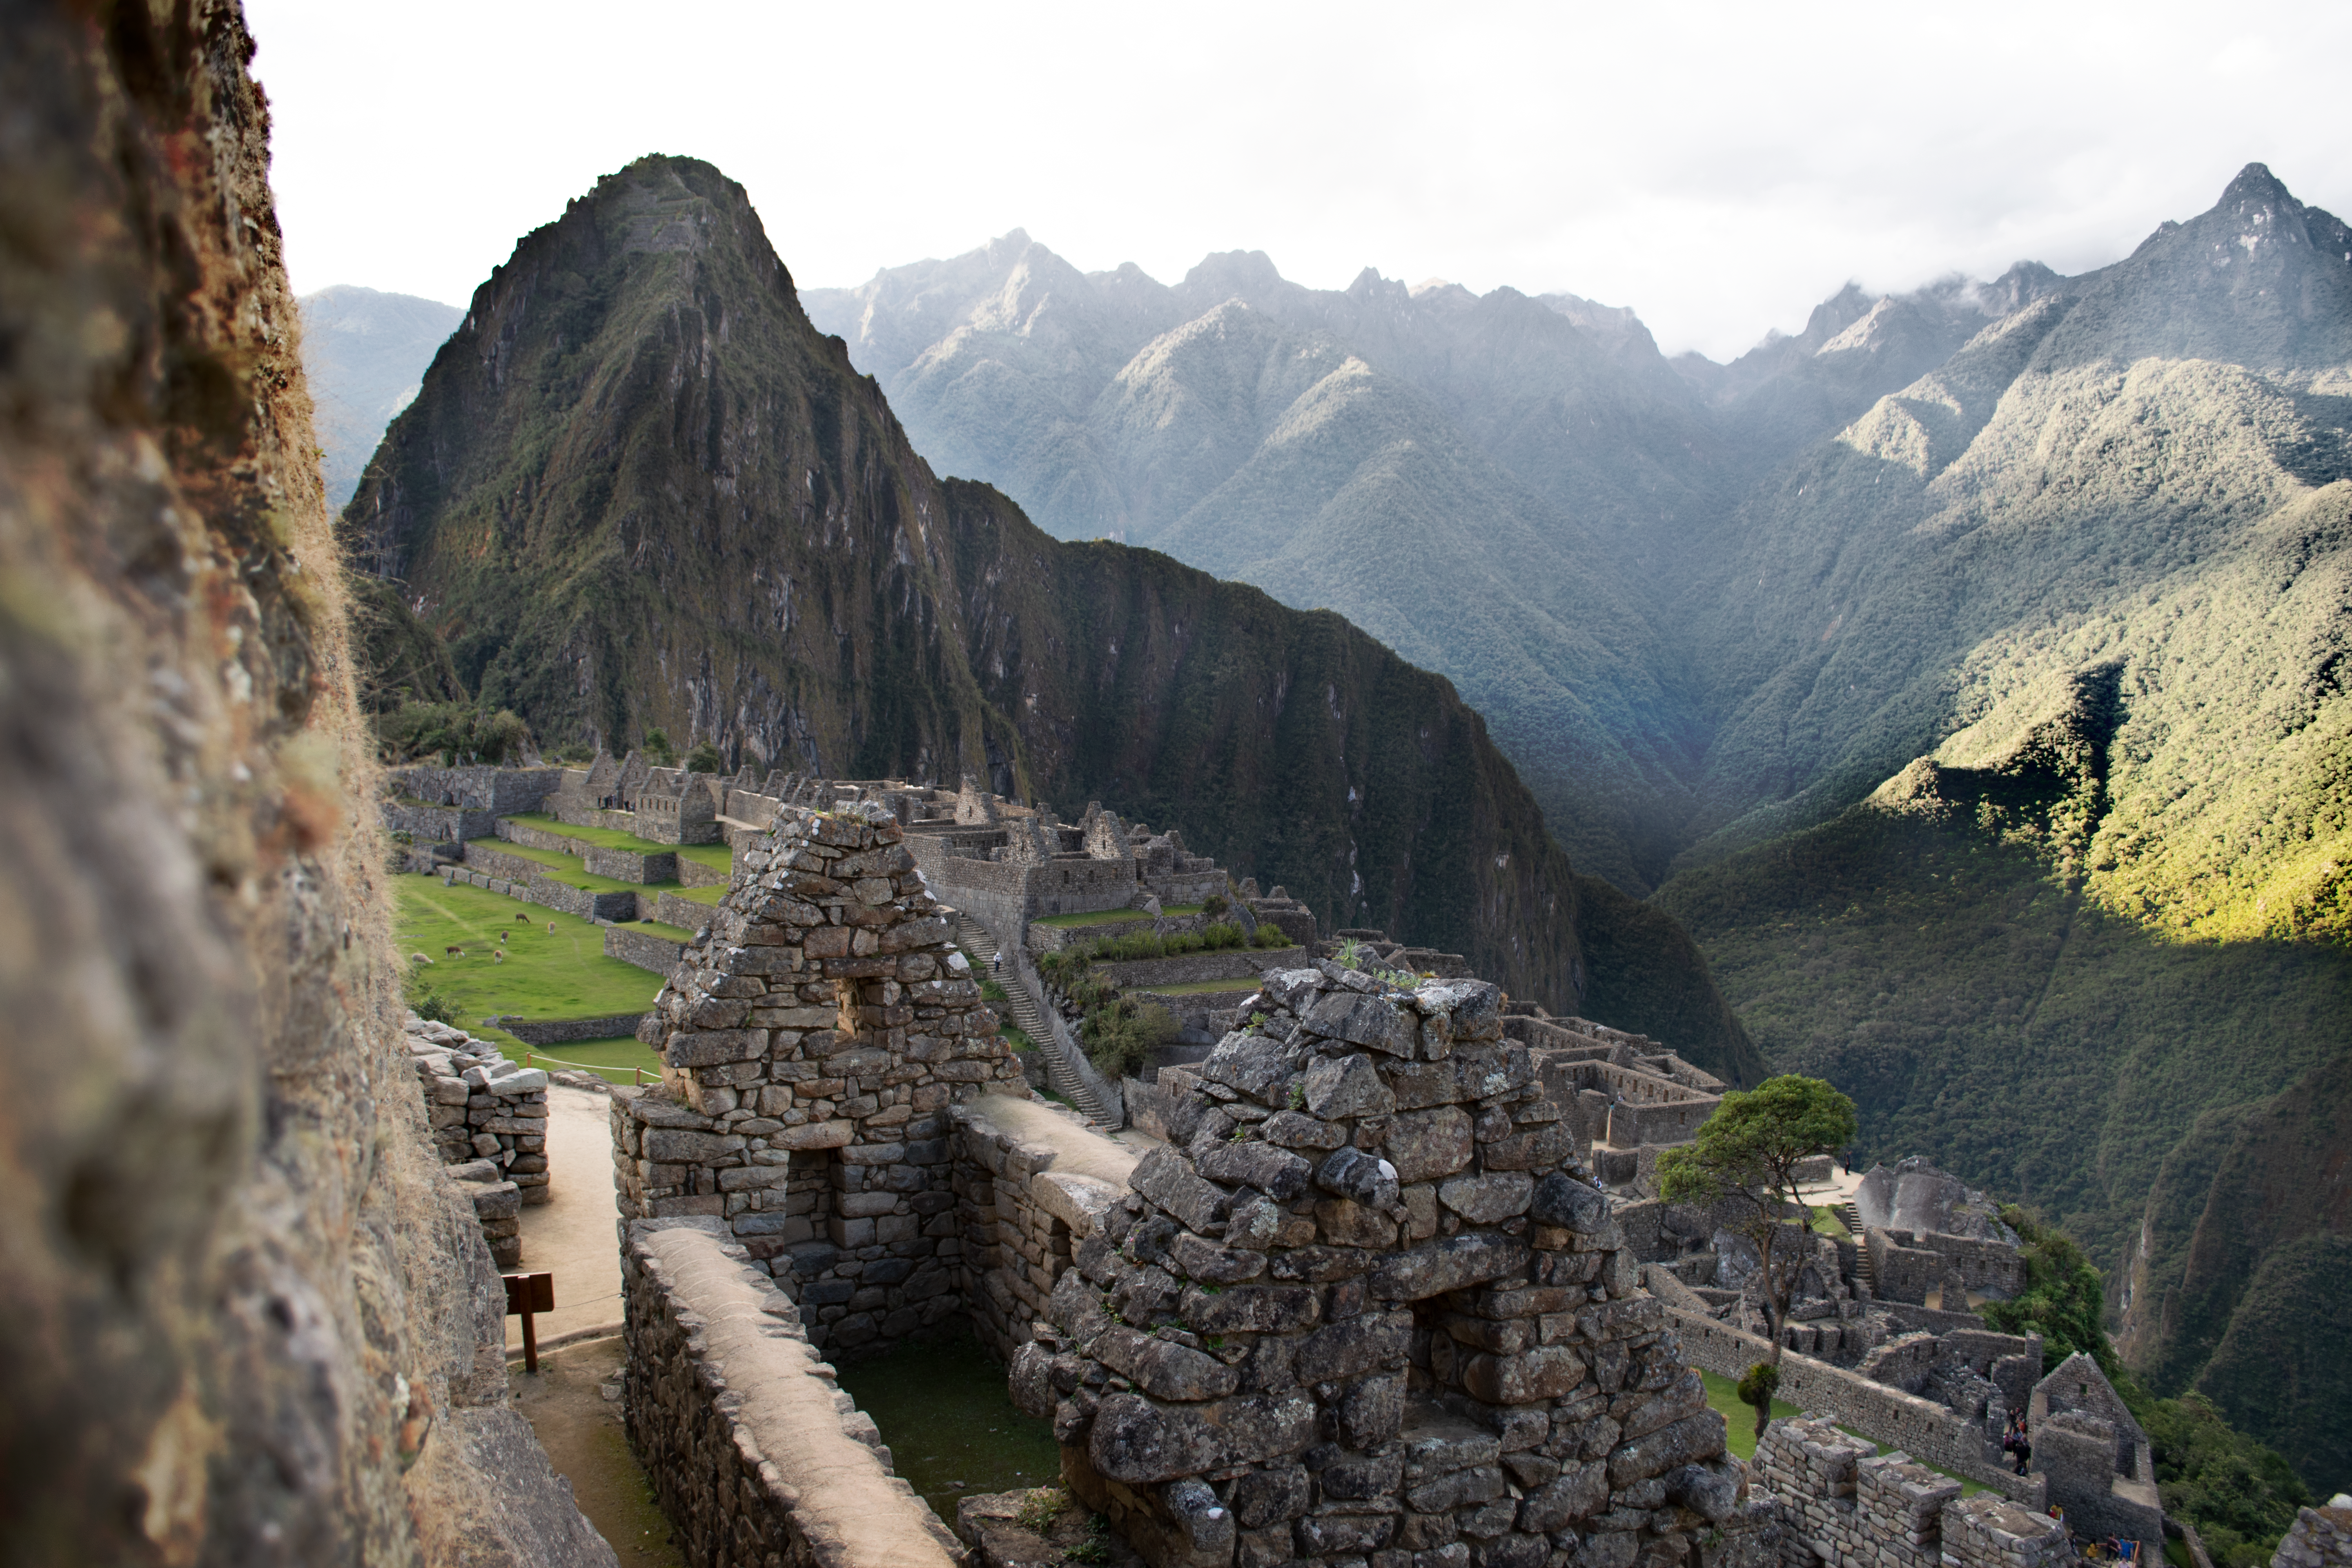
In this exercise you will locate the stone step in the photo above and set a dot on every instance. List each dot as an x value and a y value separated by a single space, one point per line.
1067 1083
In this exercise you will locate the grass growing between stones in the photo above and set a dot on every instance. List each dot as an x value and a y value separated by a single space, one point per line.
952 1427
559 975
612 1060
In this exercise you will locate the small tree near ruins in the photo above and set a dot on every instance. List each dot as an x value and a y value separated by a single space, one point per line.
1746 1157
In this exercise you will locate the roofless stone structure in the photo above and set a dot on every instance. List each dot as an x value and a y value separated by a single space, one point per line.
814 1035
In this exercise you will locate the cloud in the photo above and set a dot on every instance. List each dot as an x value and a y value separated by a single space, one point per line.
1719 167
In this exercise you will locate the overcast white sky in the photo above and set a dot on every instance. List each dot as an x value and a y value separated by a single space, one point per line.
1720 168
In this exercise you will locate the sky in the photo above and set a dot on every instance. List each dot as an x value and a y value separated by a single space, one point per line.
1720 168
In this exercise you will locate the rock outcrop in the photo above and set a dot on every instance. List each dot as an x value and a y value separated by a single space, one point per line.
250 1320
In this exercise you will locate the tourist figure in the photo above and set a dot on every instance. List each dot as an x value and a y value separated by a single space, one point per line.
2024 1449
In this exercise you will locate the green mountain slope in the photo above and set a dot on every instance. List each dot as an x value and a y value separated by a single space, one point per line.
364 354
2030 795
638 489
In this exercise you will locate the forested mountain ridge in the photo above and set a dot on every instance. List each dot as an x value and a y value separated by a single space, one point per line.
1969 666
638 489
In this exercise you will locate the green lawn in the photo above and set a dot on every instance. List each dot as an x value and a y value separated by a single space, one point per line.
612 1058
603 837
567 868
672 932
699 895
717 856
1739 1420
1111 917
564 974
1239 985
1826 1222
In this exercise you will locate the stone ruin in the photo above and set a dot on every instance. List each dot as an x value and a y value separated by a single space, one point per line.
1369 1303
811 1039
488 1123
1364 1307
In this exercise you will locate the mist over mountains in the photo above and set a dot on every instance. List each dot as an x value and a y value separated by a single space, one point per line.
364 354
1965 672
1957 685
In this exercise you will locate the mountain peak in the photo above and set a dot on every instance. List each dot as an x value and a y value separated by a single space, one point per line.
2255 183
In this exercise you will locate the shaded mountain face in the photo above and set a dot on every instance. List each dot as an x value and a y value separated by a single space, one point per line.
638 489
364 354
1480 482
1969 666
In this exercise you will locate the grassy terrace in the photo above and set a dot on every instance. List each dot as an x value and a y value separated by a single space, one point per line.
566 869
601 837
1111 917
656 927
717 856
1238 986
1740 1421
699 895
559 975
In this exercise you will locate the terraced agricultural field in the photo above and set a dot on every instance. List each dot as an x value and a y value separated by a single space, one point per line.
561 973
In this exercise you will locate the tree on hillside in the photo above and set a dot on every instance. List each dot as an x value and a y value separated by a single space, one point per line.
1745 1160
2064 1296
658 750
457 732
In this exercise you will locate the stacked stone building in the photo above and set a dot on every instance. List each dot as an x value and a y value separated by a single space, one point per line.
1365 1302
812 1038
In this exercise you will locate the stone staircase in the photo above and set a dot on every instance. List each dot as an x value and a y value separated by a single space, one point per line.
975 940
1864 1270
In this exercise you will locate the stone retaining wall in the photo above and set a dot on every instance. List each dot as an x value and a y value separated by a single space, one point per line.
682 912
1851 1505
757 1456
1043 938
562 1031
695 874
1919 1426
1020 1218
658 955
436 824
1142 974
538 888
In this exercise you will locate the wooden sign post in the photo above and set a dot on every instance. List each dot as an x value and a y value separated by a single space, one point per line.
526 1294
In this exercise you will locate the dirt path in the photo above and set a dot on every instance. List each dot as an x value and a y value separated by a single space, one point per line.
581 1430
572 1236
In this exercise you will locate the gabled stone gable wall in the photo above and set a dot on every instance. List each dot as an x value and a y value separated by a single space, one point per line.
1365 1303
811 1043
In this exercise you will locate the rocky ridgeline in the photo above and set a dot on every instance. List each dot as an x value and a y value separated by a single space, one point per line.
488 1118
1367 1307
